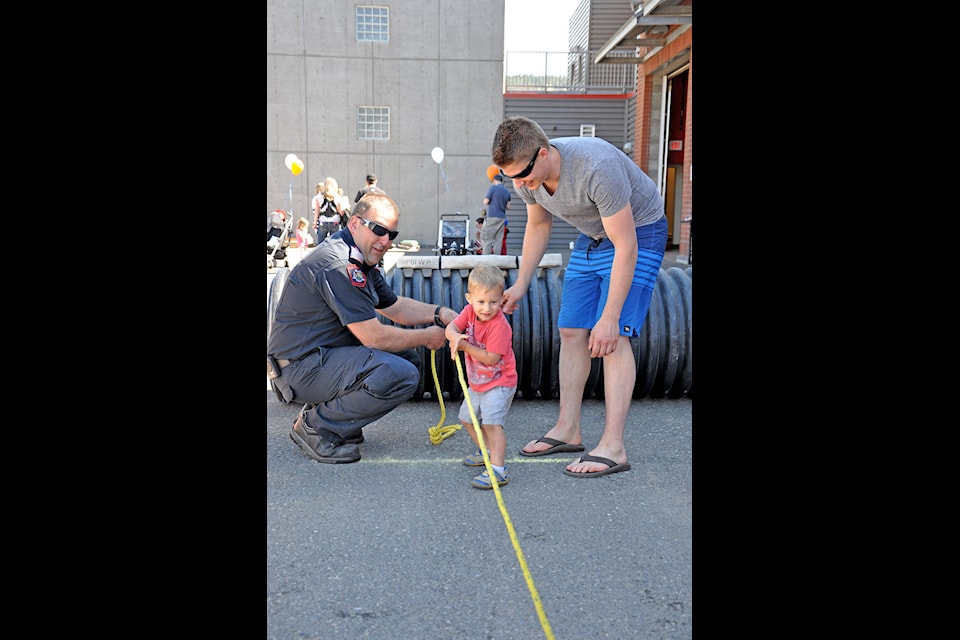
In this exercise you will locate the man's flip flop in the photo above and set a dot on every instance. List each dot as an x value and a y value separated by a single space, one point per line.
558 447
613 467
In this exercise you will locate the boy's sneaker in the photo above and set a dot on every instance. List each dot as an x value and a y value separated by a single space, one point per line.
474 459
482 481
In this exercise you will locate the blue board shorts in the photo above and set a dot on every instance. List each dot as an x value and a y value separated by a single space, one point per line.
586 280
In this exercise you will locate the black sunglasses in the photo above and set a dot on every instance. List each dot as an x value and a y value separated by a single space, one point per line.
379 229
525 172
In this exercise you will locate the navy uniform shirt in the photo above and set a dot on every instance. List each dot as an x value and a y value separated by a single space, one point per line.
328 289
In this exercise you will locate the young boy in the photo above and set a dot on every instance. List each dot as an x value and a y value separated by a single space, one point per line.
484 335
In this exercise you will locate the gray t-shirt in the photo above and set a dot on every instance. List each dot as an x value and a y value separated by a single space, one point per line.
597 180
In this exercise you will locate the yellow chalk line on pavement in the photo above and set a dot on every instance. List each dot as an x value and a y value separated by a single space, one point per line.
371 459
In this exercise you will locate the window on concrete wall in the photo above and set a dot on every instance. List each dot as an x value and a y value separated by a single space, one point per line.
373 123
373 23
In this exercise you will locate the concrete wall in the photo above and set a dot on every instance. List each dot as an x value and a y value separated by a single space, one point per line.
441 75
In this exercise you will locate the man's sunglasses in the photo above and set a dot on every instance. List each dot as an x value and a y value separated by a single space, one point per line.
379 229
525 172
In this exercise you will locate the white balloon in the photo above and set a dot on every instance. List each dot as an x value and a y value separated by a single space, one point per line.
437 155
289 160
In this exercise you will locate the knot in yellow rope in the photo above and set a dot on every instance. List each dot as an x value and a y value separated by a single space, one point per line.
439 433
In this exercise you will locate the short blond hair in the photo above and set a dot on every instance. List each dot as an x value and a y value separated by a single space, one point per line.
485 277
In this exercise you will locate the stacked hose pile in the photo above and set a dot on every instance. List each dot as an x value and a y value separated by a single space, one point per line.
663 351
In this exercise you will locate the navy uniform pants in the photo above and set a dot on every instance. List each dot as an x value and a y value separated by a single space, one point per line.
350 387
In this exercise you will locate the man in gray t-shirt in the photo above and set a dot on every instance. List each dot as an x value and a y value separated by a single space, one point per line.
597 178
608 282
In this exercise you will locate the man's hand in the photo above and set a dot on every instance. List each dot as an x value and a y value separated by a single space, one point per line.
511 298
603 338
436 338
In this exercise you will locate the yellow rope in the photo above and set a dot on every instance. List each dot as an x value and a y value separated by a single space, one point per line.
496 487
439 433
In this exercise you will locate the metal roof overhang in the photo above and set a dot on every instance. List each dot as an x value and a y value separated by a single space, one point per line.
651 20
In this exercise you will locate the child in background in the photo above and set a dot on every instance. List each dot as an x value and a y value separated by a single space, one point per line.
485 336
304 239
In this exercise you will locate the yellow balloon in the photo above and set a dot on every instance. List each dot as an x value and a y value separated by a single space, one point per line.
297 167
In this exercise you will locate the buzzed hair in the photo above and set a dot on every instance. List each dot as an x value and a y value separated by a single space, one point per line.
515 139
374 201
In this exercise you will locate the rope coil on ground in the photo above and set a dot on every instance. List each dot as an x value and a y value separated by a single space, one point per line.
440 433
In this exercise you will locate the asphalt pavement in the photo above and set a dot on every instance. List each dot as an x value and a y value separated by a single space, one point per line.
399 545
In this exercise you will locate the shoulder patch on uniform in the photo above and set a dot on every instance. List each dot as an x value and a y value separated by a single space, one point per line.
357 277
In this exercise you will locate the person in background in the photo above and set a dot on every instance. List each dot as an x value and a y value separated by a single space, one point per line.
609 279
315 203
304 239
326 217
371 187
477 247
485 336
328 348
343 207
497 201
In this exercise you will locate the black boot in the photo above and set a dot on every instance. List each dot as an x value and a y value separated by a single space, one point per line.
319 449
354 440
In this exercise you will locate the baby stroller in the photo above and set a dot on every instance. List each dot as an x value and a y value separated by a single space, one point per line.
278 232
453 235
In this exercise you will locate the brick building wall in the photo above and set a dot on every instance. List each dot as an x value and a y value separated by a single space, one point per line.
647 138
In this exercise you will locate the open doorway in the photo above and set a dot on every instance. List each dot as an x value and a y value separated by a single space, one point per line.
674 134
